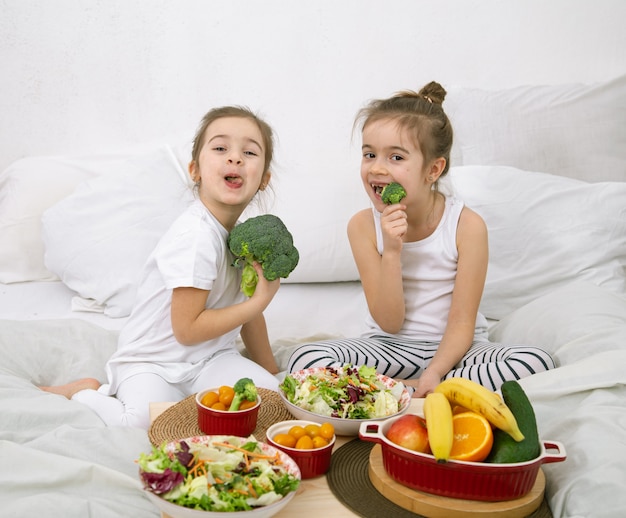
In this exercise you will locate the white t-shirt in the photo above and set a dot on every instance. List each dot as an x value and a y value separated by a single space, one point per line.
192 253
428 274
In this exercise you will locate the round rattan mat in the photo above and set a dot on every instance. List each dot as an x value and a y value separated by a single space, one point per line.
349 480
181 420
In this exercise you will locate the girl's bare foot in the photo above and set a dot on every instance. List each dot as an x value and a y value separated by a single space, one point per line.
69 389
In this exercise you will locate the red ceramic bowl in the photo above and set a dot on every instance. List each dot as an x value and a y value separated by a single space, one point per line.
225 422
312 463
455 478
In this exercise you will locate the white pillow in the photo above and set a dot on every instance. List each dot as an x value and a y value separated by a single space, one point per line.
572 130
27 188
572 322
97 239
545 231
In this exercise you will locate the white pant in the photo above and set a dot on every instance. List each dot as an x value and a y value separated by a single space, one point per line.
131 405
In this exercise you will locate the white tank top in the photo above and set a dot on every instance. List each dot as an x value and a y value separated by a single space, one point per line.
428 274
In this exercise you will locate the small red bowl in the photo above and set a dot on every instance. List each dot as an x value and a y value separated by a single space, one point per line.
226 422
458 479
312 463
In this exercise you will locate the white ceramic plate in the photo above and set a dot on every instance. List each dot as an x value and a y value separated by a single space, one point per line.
177 511
349 427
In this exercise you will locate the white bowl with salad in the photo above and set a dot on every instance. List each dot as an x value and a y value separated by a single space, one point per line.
344 396
209 475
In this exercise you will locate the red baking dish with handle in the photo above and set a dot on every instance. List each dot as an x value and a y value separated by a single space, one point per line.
458 479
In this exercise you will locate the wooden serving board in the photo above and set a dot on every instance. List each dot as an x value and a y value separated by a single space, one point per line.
434 506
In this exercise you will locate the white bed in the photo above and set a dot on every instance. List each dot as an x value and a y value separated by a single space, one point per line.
544 164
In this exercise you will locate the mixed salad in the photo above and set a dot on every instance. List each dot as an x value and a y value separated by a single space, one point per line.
347 392
218 473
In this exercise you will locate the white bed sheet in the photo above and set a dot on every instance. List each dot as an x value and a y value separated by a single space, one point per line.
332 308
58 458
299 312
47 300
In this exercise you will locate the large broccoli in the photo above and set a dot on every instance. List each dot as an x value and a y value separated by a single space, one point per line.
244 389
264 239
392 193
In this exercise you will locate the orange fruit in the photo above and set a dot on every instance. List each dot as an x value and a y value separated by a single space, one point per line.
458 409
226 394
327 431
304 443
297 431
473 437
312 430
209 399
284 439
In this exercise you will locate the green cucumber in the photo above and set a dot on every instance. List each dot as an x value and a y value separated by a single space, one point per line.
505 449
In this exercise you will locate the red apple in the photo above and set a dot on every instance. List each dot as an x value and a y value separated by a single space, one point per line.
409 431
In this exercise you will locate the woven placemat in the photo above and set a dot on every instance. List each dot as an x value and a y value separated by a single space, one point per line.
348 479
181 420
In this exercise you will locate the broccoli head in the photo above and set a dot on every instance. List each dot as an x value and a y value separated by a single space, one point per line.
266 240
392 193
244 389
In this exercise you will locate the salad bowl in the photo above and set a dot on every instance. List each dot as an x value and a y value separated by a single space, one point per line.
219 457
345 404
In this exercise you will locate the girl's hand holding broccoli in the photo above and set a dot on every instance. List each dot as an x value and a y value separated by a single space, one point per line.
394 225
394 220
264 240
264 289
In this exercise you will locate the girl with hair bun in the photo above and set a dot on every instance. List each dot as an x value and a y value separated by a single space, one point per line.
422 261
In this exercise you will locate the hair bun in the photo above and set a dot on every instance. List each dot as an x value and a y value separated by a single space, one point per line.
433 92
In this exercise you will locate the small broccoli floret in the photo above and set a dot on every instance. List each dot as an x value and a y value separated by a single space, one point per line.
244 389
264 239
392 193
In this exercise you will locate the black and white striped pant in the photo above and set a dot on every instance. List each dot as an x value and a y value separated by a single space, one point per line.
487 363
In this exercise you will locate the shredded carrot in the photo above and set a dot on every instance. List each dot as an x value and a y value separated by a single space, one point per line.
198 469
251 488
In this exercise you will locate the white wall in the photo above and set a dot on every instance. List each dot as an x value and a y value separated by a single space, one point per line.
87 76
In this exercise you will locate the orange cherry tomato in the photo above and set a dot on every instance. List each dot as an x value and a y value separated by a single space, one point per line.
226 394
327 431
246 404
319 442
209 399
297 431
312 430
304 443
284 439
219 406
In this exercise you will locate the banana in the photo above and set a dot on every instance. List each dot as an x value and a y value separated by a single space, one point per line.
475 397
438 415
